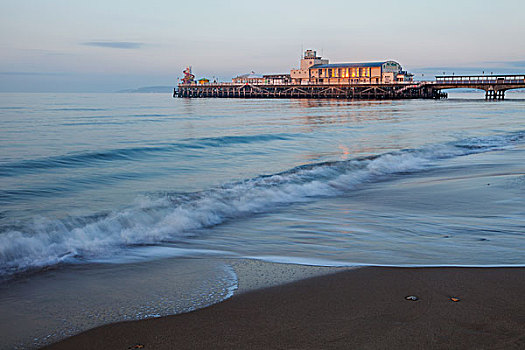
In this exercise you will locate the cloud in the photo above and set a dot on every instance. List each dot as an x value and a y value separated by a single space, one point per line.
503 64
115 44
485 67
513 64
44 52
33 73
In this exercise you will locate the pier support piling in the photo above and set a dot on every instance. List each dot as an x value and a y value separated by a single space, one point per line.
492 95
342 91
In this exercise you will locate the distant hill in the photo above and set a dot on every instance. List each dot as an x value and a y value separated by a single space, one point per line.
150 89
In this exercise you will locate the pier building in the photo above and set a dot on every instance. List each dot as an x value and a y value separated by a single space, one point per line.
252 78
277 79
309 60
248 78
316 70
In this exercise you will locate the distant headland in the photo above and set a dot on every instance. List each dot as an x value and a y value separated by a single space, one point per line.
149 89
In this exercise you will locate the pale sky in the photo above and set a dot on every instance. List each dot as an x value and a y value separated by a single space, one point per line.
95 45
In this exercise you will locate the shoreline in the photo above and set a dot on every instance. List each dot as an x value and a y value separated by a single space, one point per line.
355 308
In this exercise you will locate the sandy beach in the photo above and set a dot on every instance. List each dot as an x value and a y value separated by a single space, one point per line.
365 308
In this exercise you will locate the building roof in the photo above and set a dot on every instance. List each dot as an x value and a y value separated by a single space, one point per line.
276 76
251 75
345 65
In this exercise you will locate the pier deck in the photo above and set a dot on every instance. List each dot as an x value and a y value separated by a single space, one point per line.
346 91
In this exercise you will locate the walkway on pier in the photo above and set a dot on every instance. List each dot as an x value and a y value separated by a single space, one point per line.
494 85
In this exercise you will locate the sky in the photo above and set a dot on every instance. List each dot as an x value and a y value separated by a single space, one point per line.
102 46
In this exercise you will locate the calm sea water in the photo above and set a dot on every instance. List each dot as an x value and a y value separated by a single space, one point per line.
105 185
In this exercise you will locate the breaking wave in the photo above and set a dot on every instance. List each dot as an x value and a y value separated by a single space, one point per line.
173 217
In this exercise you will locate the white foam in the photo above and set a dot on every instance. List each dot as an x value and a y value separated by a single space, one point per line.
335 263
145 253
302 261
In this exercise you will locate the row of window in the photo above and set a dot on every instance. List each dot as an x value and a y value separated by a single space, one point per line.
354 72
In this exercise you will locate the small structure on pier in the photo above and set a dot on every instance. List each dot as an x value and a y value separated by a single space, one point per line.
277 79
249 78
188 77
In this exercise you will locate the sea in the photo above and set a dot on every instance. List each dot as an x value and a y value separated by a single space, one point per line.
124 206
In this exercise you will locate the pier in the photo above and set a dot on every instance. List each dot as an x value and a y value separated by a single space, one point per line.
317 78
493 85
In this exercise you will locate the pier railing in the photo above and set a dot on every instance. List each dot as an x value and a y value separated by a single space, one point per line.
445 79
480 79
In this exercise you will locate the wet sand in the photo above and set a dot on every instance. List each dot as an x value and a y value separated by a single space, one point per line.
357 309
